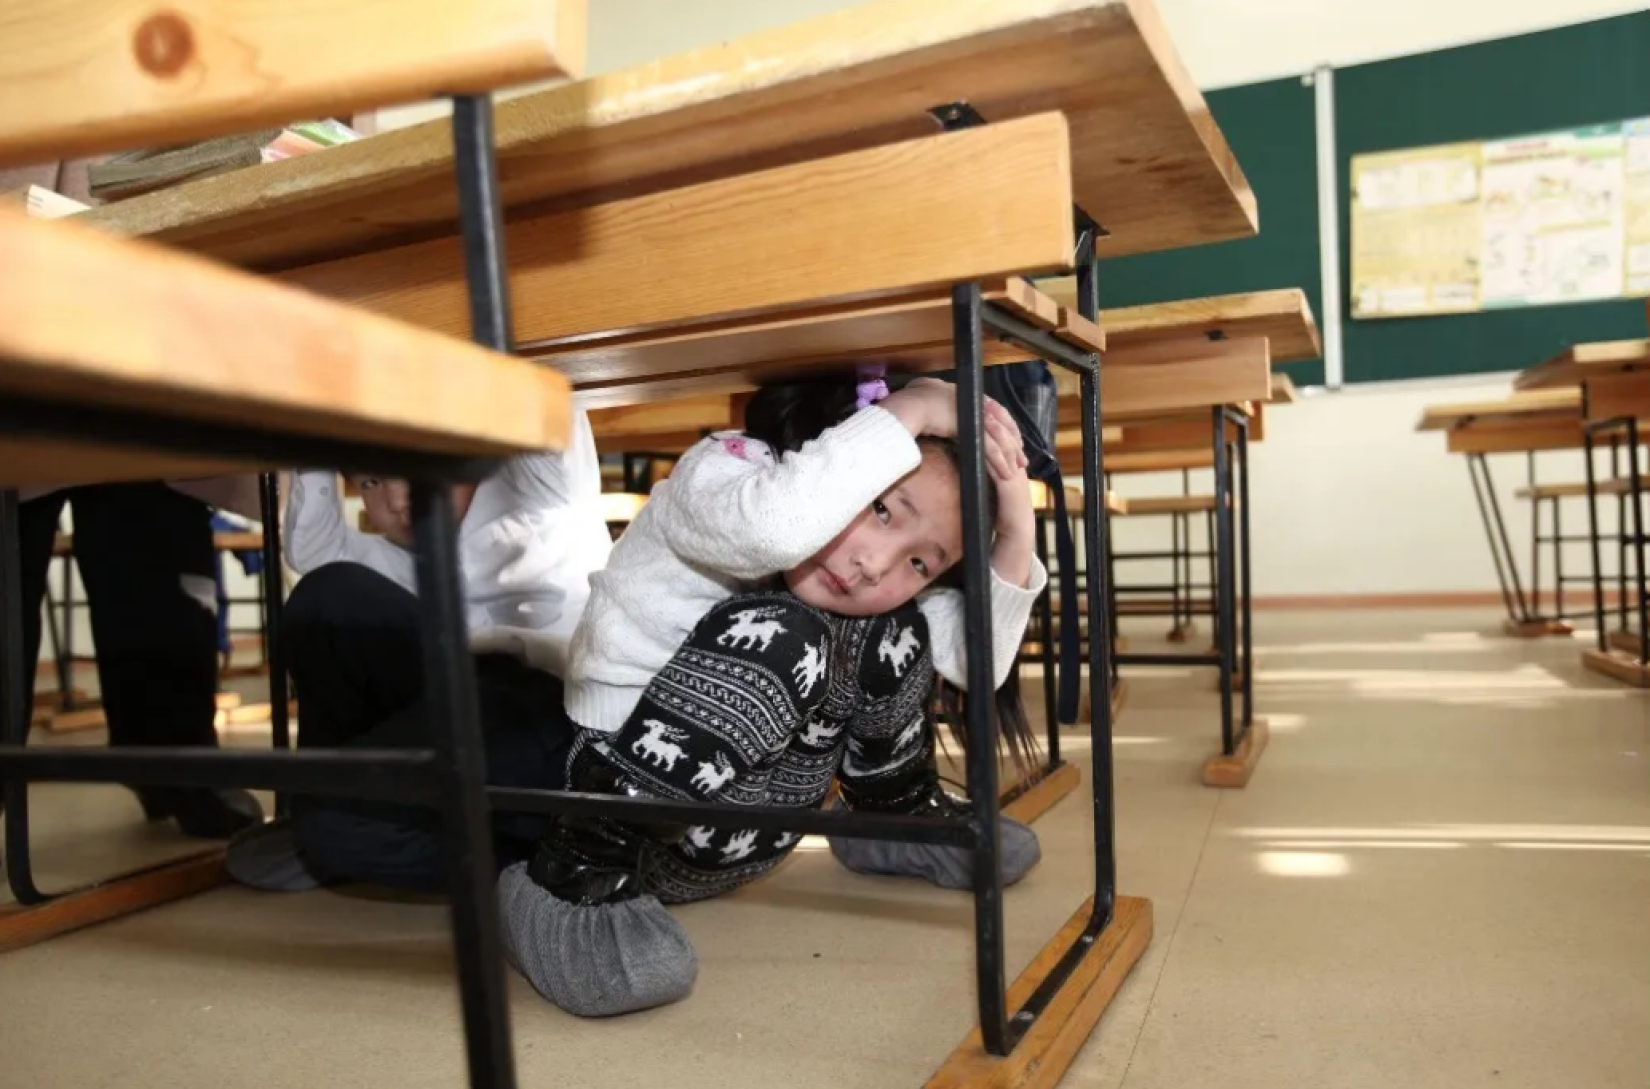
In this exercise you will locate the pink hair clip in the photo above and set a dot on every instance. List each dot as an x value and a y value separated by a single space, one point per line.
872 387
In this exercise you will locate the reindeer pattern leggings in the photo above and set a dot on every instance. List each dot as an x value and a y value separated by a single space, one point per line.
766 703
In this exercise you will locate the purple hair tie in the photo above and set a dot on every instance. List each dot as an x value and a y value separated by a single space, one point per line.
872 388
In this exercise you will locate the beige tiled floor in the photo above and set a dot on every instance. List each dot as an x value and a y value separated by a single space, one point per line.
1439 877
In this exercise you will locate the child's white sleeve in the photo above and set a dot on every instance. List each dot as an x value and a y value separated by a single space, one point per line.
314 533
729 506
1010 610
558 479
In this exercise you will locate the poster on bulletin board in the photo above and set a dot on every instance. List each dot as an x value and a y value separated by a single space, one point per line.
1531 221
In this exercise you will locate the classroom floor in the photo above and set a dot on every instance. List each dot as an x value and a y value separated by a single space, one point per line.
1438 878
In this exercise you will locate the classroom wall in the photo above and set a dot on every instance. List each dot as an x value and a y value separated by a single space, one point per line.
1348 499
1223 42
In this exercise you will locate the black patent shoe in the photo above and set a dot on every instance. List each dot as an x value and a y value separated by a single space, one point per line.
592 861
201 813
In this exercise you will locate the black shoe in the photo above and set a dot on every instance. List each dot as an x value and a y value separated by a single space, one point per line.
200 812
926 797
597 860
592 861
935 801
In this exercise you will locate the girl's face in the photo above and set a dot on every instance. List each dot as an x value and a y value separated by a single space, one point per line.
896 547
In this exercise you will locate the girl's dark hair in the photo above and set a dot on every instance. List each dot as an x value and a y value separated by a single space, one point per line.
788 415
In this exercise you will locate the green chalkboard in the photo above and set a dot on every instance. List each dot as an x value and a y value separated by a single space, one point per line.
1586 74
1558 79
1272 129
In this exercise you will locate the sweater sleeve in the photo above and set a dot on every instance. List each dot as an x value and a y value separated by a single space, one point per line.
315 533
750 516
1010 610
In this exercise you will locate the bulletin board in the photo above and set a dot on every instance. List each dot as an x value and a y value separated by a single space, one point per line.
1555 217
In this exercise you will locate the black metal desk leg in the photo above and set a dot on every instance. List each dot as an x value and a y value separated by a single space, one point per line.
1478 469
65 659
449 670
1592 537
1045 624
273 594
1096 545
981 757
1225 624
14 716
1246 604
1641 578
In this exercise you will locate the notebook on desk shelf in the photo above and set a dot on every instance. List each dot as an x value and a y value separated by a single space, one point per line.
42 203
138 172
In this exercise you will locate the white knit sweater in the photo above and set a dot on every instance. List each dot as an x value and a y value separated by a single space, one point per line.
533 535
731 516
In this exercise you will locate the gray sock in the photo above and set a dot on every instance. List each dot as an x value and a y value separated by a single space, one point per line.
265 857
595 961
947 867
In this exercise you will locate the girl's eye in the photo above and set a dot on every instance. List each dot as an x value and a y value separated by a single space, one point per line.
920 565
880 509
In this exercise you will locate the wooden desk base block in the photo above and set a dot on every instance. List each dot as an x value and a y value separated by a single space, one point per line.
1534 629
1033 801
1049 1047
1182 632
22 926
1613 663
1119 696
1236 770
1625 641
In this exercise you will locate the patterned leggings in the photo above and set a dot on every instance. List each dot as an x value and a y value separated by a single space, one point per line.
766 703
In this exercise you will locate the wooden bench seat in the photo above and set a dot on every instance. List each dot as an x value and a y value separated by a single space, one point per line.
846 81
1576 488
1042 498
92 321
1169 504
1159 461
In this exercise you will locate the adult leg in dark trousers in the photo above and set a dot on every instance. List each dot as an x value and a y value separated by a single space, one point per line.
353 647
146 558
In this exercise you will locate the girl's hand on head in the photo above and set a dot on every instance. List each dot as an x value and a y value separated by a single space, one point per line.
1005 461
926 406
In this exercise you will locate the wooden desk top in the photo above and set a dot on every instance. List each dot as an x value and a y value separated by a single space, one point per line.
93 321
1283 390
1521 408
1283 317
1586 362
1149 163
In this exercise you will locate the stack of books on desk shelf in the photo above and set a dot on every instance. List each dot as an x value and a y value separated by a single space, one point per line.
139 172
42 203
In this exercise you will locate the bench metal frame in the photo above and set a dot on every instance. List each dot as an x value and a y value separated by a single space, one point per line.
1525 606
1635 594
1233 653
